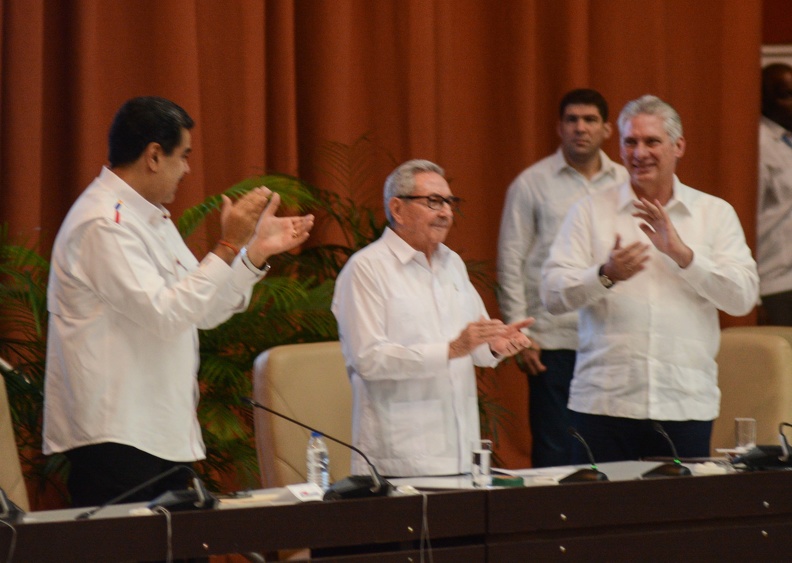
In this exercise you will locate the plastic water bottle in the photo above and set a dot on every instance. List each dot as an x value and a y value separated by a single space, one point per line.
318 461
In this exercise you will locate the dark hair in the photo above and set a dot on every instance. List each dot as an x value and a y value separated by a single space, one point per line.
145 120
584 96
771 74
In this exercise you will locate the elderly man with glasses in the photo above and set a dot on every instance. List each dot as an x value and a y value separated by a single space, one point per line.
412 328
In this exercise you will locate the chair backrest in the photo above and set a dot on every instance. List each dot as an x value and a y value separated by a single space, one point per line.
11 479
755 379
309 383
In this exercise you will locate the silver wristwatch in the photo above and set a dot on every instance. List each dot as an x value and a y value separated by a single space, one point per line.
251 266
605 280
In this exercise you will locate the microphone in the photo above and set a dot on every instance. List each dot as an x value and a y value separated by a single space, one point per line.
10 513
354 486
785 449
198 497
16 377
6 367
584 475
675 469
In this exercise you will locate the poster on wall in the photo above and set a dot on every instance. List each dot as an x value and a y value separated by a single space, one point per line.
776 54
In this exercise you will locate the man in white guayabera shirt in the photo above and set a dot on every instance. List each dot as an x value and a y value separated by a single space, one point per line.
126 298
648 264
412 328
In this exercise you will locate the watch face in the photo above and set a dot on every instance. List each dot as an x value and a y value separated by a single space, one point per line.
606 281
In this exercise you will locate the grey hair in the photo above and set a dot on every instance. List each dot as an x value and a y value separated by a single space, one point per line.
652 105
402 180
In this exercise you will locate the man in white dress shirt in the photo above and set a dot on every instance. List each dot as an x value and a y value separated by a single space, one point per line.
774 205
648 264
412 328
536 204
126 298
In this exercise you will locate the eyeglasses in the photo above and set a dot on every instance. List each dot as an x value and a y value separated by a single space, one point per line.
436 202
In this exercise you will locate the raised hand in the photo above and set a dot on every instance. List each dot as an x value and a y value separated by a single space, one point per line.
624 262
274 235
504 340
660 230
513 340
238 219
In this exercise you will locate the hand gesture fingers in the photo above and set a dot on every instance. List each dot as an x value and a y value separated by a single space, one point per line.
238 219
531 360
658 227
511 345
624 262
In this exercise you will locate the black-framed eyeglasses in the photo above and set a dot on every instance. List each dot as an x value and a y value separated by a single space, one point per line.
436 202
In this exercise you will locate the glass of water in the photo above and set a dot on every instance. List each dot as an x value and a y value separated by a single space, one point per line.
482 457
744 434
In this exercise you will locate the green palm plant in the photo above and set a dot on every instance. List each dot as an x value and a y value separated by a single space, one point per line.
23 321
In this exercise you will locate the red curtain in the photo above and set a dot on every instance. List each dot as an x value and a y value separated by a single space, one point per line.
470 84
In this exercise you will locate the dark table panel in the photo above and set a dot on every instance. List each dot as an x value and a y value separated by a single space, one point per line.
379 525
742 516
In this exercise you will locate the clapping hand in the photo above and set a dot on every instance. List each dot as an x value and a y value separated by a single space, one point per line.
274 235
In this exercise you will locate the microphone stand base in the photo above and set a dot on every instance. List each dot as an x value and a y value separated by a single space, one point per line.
667 470
584 476
357 486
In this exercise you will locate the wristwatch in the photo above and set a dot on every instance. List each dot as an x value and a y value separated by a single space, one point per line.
263 271
605 280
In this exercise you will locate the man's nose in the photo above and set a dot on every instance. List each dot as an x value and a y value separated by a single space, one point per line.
445 209
641 150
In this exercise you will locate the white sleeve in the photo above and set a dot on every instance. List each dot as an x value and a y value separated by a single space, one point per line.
516 237
127 275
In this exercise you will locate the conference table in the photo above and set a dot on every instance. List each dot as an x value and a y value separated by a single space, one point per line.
729 517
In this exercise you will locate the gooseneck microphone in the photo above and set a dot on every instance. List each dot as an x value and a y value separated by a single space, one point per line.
198 497
786 451
675 469
10 513
354 486
587 474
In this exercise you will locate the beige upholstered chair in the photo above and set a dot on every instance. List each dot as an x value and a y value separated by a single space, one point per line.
307 382
755 378
782 331
11 480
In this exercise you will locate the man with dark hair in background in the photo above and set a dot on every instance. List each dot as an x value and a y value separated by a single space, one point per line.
536 203
126 298
774 205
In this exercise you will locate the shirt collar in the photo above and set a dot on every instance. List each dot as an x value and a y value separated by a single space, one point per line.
560 164
132 200
776 130
682 196
405 253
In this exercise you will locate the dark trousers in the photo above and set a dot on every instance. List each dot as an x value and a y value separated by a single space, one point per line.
776 309
548 394
101 472
618 439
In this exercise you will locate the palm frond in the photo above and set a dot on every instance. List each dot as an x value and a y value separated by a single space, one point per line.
295 194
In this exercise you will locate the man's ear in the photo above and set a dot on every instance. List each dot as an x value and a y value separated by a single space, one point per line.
679 147
152 154
608 129
395 205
